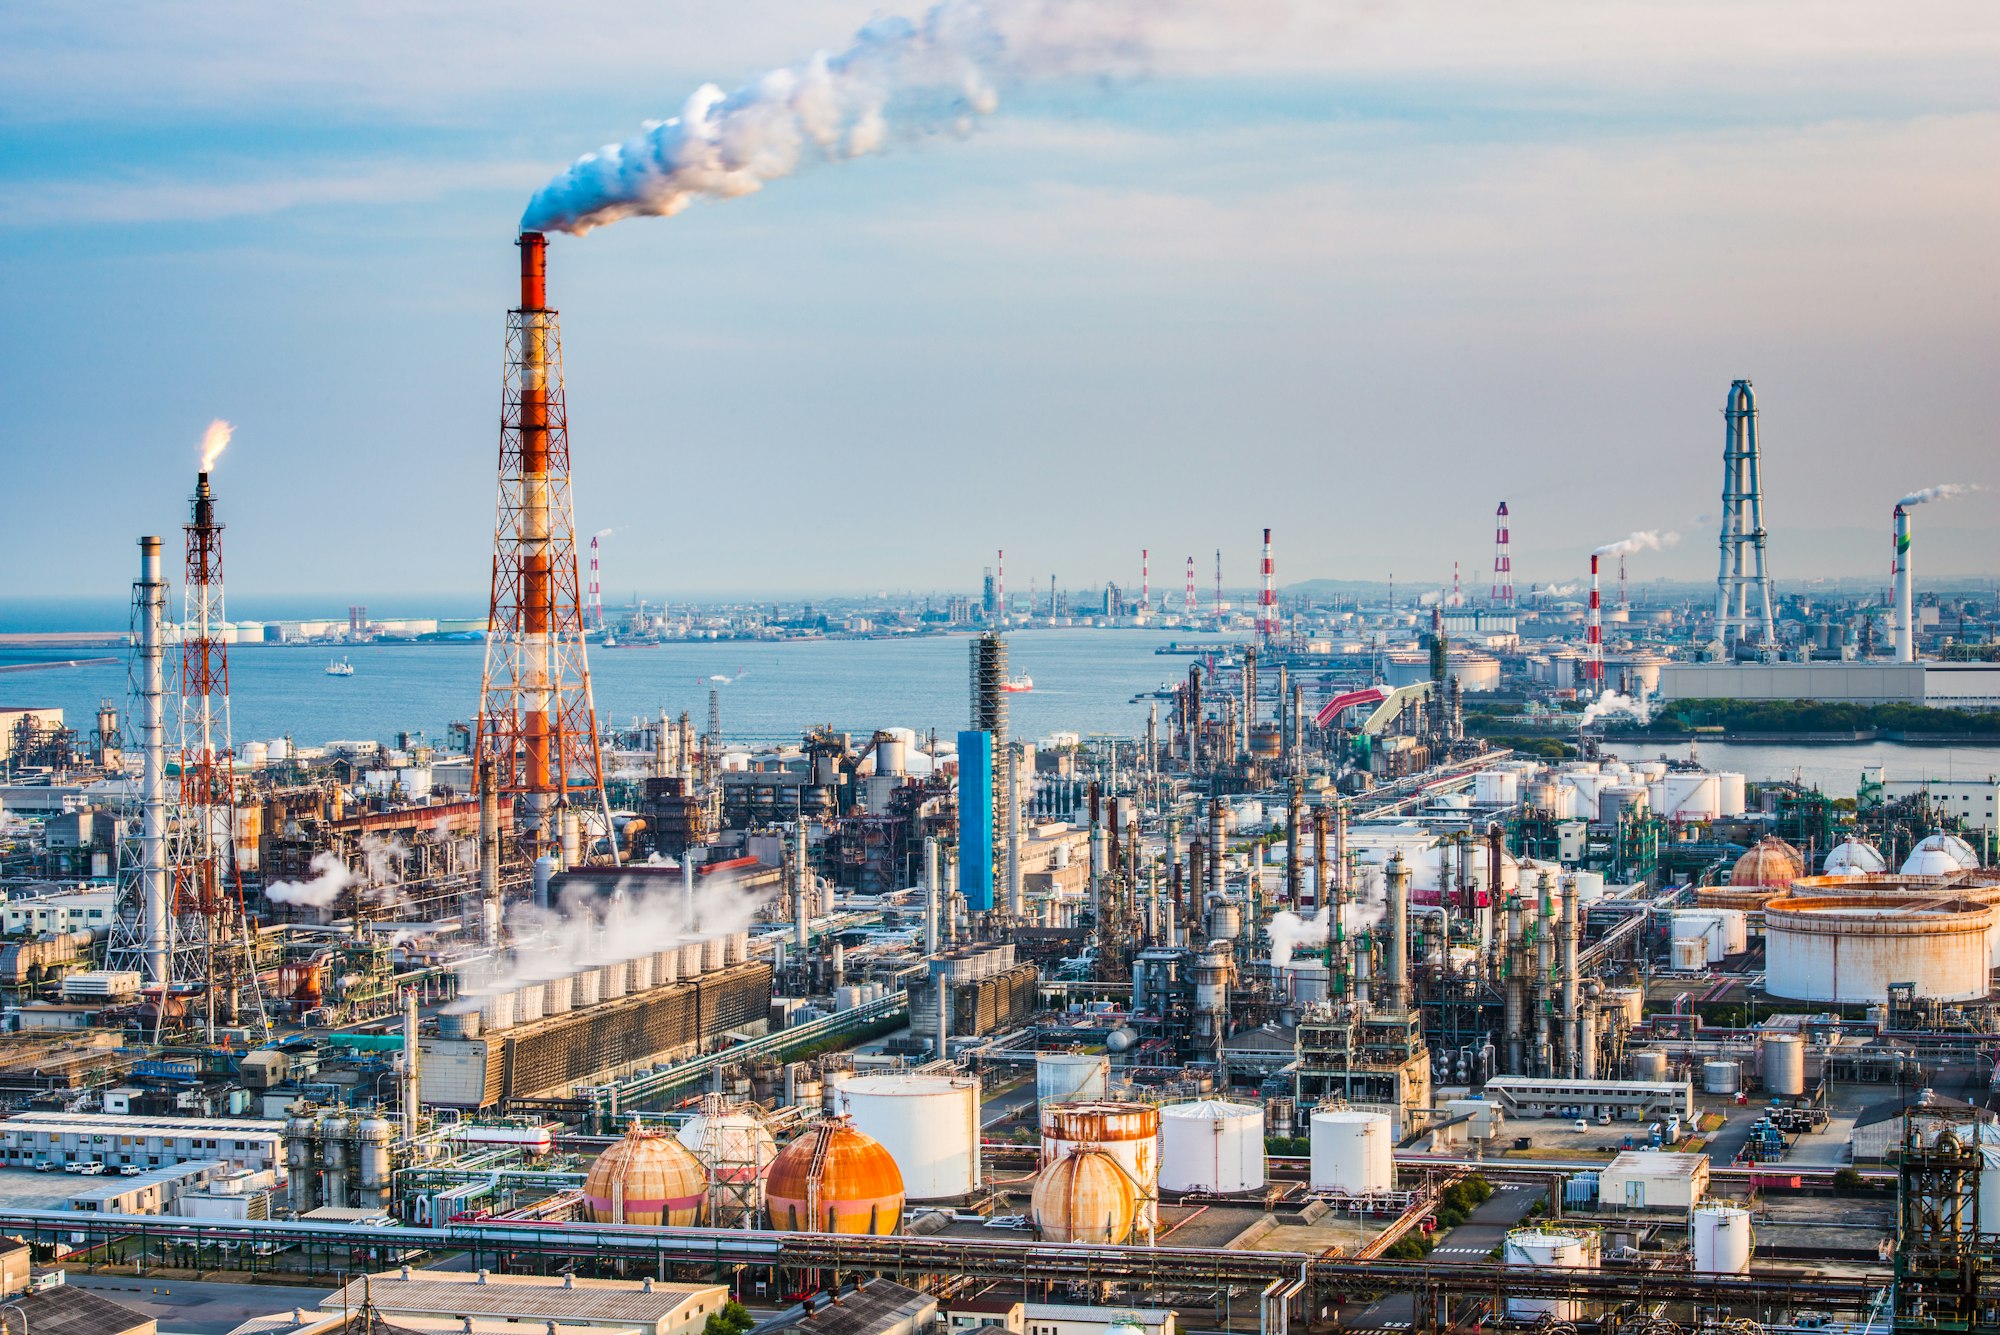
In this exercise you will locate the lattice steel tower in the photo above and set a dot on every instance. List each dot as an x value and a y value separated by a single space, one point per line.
1742 589
537 722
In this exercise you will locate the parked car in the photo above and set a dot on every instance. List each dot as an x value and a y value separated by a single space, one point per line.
130 1170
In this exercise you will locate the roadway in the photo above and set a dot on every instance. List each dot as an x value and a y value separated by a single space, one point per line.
1469 1244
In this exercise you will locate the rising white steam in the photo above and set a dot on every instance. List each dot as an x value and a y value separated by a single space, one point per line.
1645 540
1611 702
1943 491
213 442
901 78
1289 932
332 877
602 533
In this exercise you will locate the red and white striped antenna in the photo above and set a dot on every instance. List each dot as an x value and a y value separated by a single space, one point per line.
1267 601
1503 563
1593 649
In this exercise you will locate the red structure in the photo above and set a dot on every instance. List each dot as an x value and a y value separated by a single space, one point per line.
1593 651
1146 578
1190 605
537 723
1267 601
1503 563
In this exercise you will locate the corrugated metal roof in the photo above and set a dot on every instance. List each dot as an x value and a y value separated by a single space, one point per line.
535 1297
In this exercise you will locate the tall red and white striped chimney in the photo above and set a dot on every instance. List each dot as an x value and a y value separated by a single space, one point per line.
1593 651
1190 588
1000 586
1267 602
1503 563
1145 578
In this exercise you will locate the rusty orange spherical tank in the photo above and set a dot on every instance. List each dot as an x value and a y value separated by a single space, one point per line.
646 1178
1085 1196
834 1179
1770 861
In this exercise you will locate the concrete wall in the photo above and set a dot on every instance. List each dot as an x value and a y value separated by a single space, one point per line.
1844 683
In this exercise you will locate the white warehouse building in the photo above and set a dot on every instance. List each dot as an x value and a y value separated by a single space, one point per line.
149 1142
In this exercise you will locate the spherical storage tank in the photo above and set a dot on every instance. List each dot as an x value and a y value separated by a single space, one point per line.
1940 855
1721 1240
1086 1196
833 1179
737 1152
1770 861
1212 1146
648 1177
1852 857
1848 949
1351 1153
1533 1249
1129 1132
929 1124
1784 1058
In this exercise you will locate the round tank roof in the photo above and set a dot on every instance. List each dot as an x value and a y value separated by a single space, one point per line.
1852 857
645 1178
852 1180
1771 861
1940 855
1085 1197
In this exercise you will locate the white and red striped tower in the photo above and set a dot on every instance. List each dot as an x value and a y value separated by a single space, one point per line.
1145 578
1593 649
1267 601
1190 589
1000 585
1218 581
596 604
1623 602
1503 563
1457 597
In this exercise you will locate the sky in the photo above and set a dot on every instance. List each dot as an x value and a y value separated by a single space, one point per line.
1353 271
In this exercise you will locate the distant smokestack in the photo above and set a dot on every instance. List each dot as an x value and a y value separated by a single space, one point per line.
1145 578
1593 661
1906 631
1267 602
1190 605
1503 563
151 595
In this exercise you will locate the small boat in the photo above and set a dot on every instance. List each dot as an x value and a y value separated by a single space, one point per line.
340 667
1018 684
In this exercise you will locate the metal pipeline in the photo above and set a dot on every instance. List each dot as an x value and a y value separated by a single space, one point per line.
931 896
1572 1024
1294 813
489 853
1096 851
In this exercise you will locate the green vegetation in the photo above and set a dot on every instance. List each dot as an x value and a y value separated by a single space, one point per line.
1409 1247
1547 748
1290 1147
1781 716
733 1319
1849 1179
1457 1202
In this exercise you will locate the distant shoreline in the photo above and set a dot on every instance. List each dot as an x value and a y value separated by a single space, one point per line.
1860 737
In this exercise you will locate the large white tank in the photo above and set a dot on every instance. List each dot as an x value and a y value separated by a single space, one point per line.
1533 1249
1848 949
1070 1077
1690 954
1722 932
1721 1240
1212 1146
1721 1077
1649 1064
1730 793
1784 1064
928 1123
1633 999
1588 885
1940 855
1352 1154
1496 788
1689 797
1853 857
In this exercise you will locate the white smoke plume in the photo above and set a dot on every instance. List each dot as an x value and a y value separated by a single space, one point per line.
1645 540
325 887
901 78
602 533
1943 491
1560 590
213 442
1611 702
1289 932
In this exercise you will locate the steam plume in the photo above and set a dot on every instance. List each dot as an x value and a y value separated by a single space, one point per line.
1643 541
1611 702
213 441
899 78
332 877
603 533
1943 491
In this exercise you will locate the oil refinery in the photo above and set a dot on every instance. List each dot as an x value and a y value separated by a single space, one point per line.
1330 994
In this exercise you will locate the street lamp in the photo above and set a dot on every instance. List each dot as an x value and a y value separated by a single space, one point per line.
16 1307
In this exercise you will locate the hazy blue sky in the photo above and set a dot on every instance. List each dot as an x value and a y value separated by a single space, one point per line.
1355 271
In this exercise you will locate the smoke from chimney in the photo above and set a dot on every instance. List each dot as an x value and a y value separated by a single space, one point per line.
213 442
900 79
1944 491
1643 541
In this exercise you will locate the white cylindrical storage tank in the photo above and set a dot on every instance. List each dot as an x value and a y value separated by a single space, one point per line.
1721 1240
1784 1064
891 758
279 748
1702 925
928 1123
1616 800
458 1024
1212 1146
1351 1153
666 967
613 978
1633 999
1589 886
256 755
1496 788
528 1000
1721 1077
1730 790
1848 949
497 1012
1071 1077
1690 954
639 973
1649 1064
558 996
713 950
1533 1249
1690 797
1305 983
589 988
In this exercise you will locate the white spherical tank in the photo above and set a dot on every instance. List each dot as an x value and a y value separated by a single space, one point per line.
1533 1249
1351 1153
1721 1240
1848 949
1721 1077
1784 1064
1212 1146
1852 857
1070 1077
1940 855
928 1123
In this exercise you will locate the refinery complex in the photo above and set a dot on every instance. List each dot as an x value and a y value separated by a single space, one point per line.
1309 1003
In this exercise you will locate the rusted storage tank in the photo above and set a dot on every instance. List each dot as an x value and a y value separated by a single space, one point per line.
1085 1196
833 1179
648 1177
1848 949
1129 1132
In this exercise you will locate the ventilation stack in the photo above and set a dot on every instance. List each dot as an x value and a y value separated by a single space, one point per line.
537 721
1742 590
1906 629
1267 600
1593 650
1503 563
